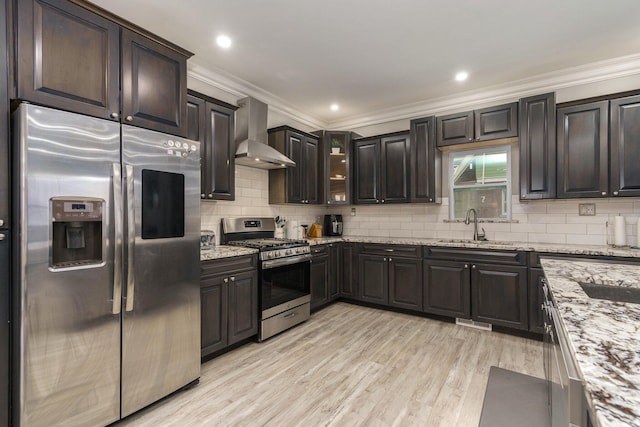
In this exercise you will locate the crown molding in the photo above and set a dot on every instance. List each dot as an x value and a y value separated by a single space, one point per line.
505 92
240 88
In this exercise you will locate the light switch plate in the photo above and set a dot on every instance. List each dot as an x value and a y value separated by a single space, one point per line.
587 209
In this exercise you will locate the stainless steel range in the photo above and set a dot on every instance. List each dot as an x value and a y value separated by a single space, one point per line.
284 281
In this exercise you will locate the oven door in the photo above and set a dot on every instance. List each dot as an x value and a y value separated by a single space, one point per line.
284 283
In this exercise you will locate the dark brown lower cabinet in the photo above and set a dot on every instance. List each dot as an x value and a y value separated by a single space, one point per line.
228 301
536 298
335 270
447 288
391 280
499 295
319 276
243 306
373 283
405 283
347 273
213 318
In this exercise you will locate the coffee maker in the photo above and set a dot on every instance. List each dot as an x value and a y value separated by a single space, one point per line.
332 225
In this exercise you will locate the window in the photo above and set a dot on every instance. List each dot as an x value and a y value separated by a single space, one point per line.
480 179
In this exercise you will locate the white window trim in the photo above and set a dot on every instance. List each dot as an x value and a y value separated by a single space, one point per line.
488 150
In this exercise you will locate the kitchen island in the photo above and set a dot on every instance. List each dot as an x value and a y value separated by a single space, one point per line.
603 336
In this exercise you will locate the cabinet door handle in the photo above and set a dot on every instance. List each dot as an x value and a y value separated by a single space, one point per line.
382 200
114 115
604 193
225 280
384 259
466 266
233 278
202 196
390 259
2 237
615 193
524 196
129 118
377 201
473 266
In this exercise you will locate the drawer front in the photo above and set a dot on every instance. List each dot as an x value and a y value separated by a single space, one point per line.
228 265
471 255
319 250
387 250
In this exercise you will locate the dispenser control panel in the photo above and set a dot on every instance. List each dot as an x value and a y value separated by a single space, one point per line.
76 210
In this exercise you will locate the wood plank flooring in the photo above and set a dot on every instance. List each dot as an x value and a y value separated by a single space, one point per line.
350 366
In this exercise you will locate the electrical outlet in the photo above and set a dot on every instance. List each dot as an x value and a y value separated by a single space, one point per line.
587 209
353 211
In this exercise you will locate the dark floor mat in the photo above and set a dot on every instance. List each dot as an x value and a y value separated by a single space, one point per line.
511 398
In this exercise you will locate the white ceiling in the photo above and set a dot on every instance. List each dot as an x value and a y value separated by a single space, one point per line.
377 55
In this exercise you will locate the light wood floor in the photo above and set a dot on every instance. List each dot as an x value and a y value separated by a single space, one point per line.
350 366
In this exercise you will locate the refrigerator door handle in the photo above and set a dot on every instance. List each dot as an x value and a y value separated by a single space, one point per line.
131 238
117 256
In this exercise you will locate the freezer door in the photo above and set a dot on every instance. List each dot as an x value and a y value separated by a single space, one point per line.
68 335
161 305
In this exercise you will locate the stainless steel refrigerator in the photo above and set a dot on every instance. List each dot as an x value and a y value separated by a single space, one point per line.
108 308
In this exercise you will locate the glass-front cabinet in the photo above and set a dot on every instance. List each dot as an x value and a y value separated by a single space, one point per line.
336 149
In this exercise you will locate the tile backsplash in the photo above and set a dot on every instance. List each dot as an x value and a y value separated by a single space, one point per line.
252 199
553 221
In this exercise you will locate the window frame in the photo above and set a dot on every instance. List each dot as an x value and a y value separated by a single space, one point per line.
474 152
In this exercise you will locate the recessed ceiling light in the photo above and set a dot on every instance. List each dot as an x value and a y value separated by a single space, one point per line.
334 107
223 41
462 76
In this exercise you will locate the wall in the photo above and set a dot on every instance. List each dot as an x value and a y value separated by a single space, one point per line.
252 199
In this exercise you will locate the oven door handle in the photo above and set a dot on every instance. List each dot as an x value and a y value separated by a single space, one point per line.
285 261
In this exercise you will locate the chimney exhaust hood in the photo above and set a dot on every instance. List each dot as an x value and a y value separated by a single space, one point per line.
251 138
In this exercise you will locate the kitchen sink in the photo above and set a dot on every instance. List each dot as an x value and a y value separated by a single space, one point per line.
479 242
612 292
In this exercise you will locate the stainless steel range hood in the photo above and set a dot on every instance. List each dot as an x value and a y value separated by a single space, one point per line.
251 138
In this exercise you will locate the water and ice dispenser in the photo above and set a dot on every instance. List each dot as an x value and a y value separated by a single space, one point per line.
77 226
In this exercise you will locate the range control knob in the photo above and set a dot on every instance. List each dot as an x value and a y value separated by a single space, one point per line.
287 252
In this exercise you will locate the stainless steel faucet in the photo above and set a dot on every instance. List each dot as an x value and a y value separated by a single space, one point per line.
476 235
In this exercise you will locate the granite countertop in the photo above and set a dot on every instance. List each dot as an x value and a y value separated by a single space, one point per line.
604 336
224 251
594 250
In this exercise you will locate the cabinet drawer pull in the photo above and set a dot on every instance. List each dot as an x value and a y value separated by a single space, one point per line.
604 193
202 196
233 278
225 280
114 115
615 193
129 118
2 237
388 250
390 259
473 266
384 259
466 266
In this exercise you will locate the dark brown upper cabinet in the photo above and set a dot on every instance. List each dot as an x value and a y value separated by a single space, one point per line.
382 169
426 161
496 122
298 184
76 58
582 150
335 148
538 147
625 147
212 122
154 85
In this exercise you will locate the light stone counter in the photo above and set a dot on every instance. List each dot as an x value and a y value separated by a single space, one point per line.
224 251
604 336
624 252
